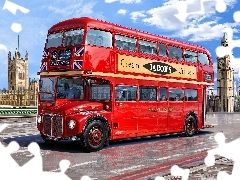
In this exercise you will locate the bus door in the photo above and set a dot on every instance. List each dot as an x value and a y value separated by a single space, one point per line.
176 110
125 112
204 106
163 110
148 112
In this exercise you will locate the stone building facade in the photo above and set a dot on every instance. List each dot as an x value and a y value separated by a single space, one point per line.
225 81
22 91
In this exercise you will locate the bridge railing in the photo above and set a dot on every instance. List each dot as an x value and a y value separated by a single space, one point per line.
17 111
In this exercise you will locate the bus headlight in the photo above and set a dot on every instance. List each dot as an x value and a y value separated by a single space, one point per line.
39 119
71 124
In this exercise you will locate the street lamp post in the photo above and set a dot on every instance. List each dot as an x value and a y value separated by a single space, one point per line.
211 99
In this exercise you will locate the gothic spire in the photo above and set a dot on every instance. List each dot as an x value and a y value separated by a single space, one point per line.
225 38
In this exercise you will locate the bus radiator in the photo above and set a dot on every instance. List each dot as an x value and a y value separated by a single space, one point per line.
53 125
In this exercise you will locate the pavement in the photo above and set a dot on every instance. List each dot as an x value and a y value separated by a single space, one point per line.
143 158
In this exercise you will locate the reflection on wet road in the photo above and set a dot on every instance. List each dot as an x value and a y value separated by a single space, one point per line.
143 158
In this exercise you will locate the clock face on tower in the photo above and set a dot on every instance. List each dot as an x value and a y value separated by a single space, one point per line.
220 63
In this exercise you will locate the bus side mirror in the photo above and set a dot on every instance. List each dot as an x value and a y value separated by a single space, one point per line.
88 82
40 84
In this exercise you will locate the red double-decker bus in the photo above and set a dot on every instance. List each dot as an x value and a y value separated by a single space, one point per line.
100 81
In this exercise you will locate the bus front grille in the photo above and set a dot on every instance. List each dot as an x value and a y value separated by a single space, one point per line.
53 125
57 128
47 124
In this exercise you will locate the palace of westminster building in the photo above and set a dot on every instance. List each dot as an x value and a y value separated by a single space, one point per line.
22 91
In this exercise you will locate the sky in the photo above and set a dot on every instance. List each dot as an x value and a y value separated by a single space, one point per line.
203 26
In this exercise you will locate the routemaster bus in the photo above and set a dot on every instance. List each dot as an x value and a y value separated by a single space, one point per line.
101 81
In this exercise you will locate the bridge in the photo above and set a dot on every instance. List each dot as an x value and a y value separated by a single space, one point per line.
17 111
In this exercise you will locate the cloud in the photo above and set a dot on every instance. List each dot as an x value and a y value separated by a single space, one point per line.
4 64
235 76
130 1
238 73
122 11
76 8
206 31
124 1
235 63
215 67
110 1
198 27
137 14
3 47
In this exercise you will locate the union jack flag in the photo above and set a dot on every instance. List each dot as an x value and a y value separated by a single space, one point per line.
43 66
79 51
77 64
45 53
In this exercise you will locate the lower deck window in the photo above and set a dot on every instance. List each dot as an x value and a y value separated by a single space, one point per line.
191 95
100 92
176 94
126 93
148 94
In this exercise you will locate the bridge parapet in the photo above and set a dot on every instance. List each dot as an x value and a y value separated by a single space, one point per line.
17 111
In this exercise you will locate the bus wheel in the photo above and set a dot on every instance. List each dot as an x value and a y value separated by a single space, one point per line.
48 140
190 126
94 136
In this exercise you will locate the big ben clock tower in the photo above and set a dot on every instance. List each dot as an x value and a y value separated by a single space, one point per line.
225 83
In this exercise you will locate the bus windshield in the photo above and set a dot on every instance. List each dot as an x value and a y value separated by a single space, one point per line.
70 88
54 40
46 88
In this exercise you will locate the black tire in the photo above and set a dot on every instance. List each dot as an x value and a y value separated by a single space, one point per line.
190 127
46 139
94 136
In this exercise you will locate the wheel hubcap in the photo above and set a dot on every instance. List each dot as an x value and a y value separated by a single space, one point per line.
190 126
95 136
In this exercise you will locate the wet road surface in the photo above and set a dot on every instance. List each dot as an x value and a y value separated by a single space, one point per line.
143 158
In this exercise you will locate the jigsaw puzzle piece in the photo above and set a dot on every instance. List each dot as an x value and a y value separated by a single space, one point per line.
177 171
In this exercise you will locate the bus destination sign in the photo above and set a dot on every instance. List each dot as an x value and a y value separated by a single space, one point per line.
160 68
149 66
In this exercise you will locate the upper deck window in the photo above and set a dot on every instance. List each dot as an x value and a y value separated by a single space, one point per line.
175 53
162 50
64 55
73 37
147 47
190 56
125 43
99 38
203 59
54 40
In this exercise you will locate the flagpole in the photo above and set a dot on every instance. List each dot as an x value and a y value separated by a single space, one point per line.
18 42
